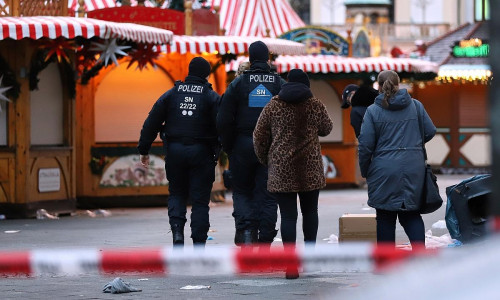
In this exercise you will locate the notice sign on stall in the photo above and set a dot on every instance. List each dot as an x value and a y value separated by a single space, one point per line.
49 180
471 48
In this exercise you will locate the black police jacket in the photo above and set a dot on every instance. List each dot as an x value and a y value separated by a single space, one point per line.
186 111
244 100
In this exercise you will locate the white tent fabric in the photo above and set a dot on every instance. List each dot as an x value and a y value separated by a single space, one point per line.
253 17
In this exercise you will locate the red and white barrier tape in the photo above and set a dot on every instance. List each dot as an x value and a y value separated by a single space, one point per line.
224 260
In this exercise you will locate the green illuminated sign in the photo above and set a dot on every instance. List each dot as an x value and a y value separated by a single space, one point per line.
472 51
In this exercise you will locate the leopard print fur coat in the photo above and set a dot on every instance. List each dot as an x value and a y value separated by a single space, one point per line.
286 140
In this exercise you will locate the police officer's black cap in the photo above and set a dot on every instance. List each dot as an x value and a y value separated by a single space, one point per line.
347 90
258 51
297 75
199 67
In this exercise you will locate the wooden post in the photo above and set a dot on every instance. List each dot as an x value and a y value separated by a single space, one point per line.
349 40
217 15
23 124
64 8
188 13
14 6
81 8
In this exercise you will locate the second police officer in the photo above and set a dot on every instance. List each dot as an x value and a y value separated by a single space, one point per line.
254 208
185 115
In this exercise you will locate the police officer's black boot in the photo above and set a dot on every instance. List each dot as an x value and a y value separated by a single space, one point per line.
178 235
250 236
199 244
238 237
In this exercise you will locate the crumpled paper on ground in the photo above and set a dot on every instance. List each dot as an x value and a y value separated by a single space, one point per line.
433 242
195 287
332 239
118 286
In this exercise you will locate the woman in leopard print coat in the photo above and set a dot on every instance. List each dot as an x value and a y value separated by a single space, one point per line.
286 140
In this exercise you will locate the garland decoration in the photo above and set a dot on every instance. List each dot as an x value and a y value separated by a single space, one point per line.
8 80
97 164
42 58
87 75
3 90
85 57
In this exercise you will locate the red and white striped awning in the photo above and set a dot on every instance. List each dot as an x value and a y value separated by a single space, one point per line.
340 64
18 28
253 17
229 44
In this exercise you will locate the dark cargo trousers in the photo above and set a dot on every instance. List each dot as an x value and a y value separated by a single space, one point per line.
190 172
254 207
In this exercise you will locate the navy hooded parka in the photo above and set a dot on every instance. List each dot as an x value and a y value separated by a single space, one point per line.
390 152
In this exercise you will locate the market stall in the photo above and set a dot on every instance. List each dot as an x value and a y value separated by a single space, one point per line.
457 101
40 59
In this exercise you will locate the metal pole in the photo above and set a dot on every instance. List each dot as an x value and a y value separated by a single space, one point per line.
494 58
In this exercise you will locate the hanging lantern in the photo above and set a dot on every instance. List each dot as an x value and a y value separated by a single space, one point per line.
58 48
144 54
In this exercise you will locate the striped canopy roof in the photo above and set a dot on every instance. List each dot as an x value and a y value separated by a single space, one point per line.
18 28
253 17
229 44
315 64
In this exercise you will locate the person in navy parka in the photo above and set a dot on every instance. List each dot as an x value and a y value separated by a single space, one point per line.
392 161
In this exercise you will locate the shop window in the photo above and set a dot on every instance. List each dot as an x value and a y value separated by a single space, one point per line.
3 124
324 92
123 101
47 109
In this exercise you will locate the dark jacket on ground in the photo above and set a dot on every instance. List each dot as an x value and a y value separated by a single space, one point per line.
390 152
158 115
364 97
286 139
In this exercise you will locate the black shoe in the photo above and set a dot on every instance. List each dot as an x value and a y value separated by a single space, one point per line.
199 244
178 235
238 237
291 273
250 237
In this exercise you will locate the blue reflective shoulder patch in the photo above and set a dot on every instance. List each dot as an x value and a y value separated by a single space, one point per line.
259 97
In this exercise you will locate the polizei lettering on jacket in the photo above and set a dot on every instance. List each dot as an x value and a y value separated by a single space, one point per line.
262 78
190 88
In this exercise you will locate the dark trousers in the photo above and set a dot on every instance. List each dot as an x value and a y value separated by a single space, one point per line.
410 220
254 208
288 210
190 172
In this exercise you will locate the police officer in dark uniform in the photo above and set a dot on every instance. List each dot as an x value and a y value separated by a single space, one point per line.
185 115
254 208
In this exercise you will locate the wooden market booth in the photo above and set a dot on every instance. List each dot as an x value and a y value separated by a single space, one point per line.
457 101
112 105
38 136
108 141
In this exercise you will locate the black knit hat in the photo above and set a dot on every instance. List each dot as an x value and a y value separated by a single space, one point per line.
347 90
258 51
199 67
297 75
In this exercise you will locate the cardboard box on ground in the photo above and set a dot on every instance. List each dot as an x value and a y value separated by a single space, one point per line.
357 227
